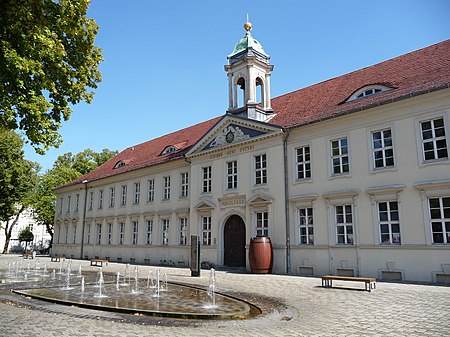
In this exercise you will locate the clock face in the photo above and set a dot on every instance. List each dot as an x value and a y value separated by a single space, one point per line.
229 137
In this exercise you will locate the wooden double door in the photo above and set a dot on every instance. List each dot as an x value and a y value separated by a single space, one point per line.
234 254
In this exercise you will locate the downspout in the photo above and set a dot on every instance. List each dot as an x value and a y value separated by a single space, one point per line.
286 202
83 221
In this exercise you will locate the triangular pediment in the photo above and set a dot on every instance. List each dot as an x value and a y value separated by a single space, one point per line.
259 200
204 206
232 130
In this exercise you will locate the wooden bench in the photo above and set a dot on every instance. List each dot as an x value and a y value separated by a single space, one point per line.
98 262
57 258
370 282
27 255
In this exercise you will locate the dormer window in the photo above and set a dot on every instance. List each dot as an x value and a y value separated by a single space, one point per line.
169 149
366 91
119 164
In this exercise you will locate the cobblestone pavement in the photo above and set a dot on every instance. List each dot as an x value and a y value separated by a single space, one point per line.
304 309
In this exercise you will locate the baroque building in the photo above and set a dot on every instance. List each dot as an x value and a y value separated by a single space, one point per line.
350 176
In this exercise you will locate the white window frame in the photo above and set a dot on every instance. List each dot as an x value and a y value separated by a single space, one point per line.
184 184
74 233
137 193
110 233
66 239
345 224
121 236
382 149
305 220
77 202
183 231
443 209
206 221
260 165
165 232
261 223
166 188
305 165
112 197
88 235
61 202
389 222
123 195
231 173
91 200
149 237
340 156
99 234
150 190
135 232
100 199
69 197
434 139
206 186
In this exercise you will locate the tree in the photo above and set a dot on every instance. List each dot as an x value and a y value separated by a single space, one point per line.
25 235
48 61
66 168
18 177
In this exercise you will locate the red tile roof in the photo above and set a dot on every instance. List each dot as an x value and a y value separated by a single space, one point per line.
418 72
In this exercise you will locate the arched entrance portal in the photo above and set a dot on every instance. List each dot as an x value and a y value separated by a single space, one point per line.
234 242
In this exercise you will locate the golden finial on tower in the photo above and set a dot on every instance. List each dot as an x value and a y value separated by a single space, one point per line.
247 25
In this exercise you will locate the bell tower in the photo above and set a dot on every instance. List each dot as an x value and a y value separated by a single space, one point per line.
249 72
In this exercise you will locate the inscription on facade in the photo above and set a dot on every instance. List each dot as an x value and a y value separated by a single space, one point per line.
232 151
232 201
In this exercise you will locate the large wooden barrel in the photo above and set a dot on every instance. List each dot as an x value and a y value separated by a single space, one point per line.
261 255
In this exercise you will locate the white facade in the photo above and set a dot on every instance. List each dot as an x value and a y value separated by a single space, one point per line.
365 193
26 219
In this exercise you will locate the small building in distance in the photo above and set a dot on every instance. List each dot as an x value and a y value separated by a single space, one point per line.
350 176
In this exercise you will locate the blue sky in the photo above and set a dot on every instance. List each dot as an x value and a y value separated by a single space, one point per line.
164 59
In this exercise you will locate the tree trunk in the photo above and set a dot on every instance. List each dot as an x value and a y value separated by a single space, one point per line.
9 228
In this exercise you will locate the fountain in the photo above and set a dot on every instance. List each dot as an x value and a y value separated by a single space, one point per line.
103 291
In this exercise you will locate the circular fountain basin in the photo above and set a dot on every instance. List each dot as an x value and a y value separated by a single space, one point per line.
178 301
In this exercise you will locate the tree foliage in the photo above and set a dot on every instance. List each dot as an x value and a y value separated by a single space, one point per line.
18 178
66 168
25 235
48 61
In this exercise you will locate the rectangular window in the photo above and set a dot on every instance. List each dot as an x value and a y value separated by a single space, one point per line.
110 231
61 201
68 203
389 222
434 142
232 175
344 224
99 234
121 232
206 231
100 199
339 156
260 169
303 160
66 239
262 224
75 234
183 231
77 202
165 232
150 190
91 200
306 226
123 196
134 236
440 219
149 231
137 193
206 179
184 184
383 150
88 241
59 235
112 197
166 188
